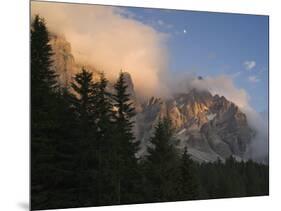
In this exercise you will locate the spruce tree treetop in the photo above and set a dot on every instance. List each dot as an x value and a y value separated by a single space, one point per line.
124 106
124 146
162 142
102 98
103 111
83 84
161 164
122 99
125 111
43 76
83 96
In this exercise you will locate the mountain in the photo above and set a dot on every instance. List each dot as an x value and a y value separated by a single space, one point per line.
209 125
63 60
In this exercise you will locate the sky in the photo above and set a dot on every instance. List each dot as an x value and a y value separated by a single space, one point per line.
230 51
213 44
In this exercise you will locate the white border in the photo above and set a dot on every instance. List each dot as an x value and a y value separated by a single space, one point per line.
14 103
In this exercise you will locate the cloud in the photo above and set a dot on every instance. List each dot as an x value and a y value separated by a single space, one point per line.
253 79
109 39
237 74
160 24
222 85
249 65
259 146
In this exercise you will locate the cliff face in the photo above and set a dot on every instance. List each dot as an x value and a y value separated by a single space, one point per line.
211 126
63 60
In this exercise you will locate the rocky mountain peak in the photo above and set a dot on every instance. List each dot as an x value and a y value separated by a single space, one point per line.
211 126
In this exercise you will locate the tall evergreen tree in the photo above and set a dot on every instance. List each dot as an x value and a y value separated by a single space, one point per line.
124 143
86 169
162 164
43 115
189 187
43 76
103 114
83 99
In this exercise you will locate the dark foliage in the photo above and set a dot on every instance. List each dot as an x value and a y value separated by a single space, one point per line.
189 181
161 165
125 162
233 179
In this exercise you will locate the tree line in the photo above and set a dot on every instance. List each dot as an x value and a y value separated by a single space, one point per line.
83 149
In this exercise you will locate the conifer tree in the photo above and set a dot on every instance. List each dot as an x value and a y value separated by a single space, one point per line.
86 158
103 114
43 76
124 143
161 164
102 105
83 99
44 127
188 178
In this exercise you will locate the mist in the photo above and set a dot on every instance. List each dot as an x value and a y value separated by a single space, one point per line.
108 39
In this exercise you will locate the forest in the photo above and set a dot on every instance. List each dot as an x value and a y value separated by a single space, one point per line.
83 149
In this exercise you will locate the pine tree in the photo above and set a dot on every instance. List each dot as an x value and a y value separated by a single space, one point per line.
161 165
43 77
103 114
83 105
43 115
188 178
103 108
125 110
83 99
124 143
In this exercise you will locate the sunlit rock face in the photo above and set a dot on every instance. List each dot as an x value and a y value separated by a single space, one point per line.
210 126
63 60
